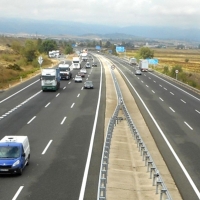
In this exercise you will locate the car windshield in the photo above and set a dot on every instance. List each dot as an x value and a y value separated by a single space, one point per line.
88 82
9 152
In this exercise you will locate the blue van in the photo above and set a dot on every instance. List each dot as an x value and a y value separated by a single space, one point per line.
14 154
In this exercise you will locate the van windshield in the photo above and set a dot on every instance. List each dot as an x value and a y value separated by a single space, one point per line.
9 152
48 78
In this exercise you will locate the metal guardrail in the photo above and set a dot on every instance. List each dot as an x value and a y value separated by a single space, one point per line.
146 157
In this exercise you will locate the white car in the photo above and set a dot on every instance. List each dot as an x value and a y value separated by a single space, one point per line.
78 78
87 65
83 70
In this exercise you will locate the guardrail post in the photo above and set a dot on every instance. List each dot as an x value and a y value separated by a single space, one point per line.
157 185
163 191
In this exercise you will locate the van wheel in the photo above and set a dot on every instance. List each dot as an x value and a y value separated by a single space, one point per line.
20 172
28 160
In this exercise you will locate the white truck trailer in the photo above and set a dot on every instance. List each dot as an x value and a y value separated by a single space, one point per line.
76 63
50 79
143 65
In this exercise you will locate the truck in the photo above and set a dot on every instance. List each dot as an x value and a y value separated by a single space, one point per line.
84 56
76 62
133 61
143 65
14 154
50 79
65 72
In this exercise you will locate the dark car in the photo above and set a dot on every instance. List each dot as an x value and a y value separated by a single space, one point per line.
88 85
82 74
94 64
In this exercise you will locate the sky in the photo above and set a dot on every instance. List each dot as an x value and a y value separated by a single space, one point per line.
122 13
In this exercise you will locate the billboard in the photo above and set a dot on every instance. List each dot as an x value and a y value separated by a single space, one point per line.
120 49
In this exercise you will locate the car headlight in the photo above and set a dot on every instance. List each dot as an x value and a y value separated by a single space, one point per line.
16 163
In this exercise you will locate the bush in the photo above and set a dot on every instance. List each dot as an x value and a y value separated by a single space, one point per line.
14 67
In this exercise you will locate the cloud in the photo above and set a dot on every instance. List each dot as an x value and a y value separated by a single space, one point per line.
108 12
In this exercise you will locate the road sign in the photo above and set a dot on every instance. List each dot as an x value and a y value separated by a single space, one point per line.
40 60
120 49
153 61
98 47
176 71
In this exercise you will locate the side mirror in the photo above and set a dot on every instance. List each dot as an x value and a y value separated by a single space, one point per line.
23 155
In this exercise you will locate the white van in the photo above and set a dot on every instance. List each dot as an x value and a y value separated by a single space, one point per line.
14 154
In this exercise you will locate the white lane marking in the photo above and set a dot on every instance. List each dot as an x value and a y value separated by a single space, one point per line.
147 86
175 87
197 111
15 108
18 92
18 192
78 95
72 105
154 81
87 165
164 137
165 88
149 77
47 104
171 109
57 94
142 81
160 85
47 147
183 101
152 91
69 82
161 99
31 120
82 88
172 93
64 88
188 125
63 120
86 78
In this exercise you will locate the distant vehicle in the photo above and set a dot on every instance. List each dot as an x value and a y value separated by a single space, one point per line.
87 65
65 72
133 61
78 78
82 74
76 63
84 56
83 70
88 85
143 65
54 54
138 72
50 79
94 64
14 154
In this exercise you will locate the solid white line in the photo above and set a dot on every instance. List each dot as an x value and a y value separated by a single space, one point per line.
63 120
166 140
47 104
47 147
18 192
18 92
183 101
188 125
78 95
197 111
57 94
171 109
72 105
31 120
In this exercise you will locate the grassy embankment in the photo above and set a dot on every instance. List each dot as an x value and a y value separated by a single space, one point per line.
187 59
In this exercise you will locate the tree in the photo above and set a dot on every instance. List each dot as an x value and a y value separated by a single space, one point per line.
16 46
29 51
145 52
68 49
48 45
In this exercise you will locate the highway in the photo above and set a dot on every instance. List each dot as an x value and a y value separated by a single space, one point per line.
172 113
60 126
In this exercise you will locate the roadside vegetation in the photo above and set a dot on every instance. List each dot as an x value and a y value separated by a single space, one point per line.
186 61
19 57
